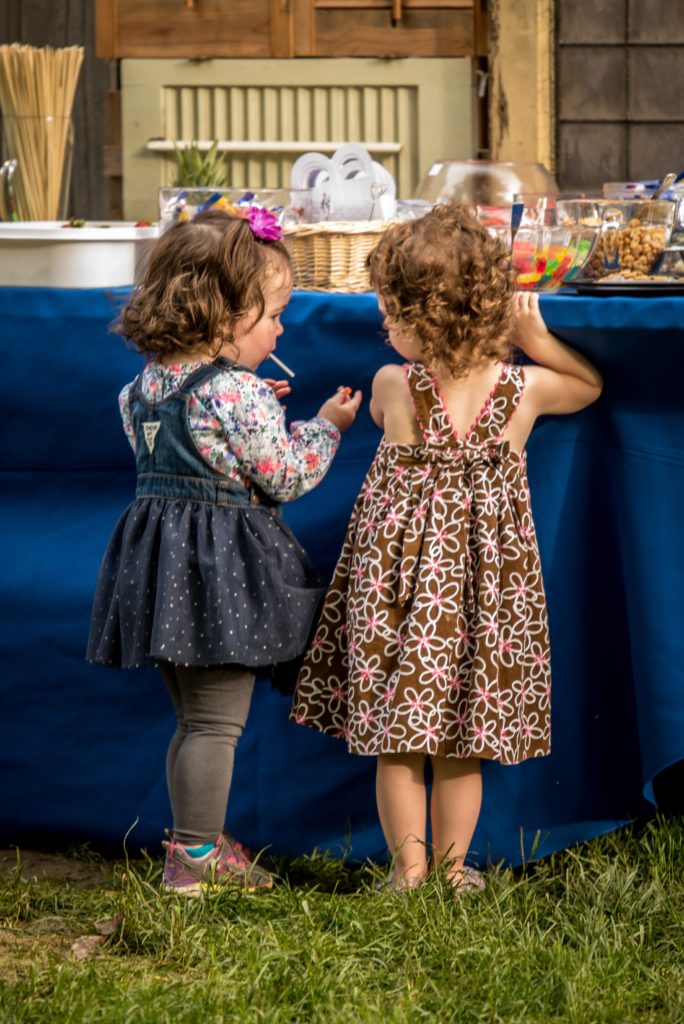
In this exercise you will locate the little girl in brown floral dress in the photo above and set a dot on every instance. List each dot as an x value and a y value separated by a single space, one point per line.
433 641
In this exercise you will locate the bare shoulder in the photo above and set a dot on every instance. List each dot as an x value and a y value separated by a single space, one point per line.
391 372
389 378
388 384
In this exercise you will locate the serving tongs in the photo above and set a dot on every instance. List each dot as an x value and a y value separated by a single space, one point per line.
668 179
8 201
670 262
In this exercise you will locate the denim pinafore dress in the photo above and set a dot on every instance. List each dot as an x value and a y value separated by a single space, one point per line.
200 570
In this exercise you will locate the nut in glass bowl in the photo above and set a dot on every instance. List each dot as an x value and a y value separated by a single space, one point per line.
632 238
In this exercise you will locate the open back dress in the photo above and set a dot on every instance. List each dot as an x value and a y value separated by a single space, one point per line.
433 636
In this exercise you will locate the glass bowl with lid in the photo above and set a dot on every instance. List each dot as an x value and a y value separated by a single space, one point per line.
483 182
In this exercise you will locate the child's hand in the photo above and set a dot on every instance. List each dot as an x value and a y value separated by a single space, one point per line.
563 380
341 409
280 388
529 327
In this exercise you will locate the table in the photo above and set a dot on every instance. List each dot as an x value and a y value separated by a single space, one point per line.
82 748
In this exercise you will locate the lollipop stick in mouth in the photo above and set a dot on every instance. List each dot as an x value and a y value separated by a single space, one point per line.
282 365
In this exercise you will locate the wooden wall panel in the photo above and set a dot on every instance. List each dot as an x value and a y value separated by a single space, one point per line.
592 22
589 154
599 96
620 80
212 28
655 149
656 21
656 77
288 28
420 33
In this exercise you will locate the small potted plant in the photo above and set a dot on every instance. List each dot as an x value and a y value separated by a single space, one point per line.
195 169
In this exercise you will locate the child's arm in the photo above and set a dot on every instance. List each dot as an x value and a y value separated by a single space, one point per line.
563 381
285 463
125 410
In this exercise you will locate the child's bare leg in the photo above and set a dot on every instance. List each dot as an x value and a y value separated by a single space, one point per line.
454 809
402 808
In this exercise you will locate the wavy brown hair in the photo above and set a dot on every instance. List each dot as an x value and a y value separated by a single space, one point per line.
444 278
202 276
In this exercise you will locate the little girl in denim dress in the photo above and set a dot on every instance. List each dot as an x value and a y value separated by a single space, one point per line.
201 576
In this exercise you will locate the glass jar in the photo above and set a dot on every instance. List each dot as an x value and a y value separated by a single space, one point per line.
632 238
43 149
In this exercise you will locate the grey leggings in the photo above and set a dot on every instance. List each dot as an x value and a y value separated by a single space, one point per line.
211 706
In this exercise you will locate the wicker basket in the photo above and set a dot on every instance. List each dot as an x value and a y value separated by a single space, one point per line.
331 257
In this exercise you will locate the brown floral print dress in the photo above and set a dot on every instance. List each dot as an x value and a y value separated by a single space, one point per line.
433 637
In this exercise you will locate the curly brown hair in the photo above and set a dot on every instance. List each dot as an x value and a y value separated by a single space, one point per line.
447 280
202 276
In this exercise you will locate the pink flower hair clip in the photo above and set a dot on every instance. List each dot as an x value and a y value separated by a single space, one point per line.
264 224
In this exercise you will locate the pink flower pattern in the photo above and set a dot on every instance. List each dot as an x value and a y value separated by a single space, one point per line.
450 655
239 428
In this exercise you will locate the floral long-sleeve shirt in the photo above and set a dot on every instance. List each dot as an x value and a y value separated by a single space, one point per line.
238 426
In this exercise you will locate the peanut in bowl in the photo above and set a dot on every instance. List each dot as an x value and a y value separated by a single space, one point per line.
632 238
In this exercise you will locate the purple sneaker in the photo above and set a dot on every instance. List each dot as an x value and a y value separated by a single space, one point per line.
226 864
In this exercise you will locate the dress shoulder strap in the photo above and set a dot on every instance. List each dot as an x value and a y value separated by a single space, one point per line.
500 406
425 399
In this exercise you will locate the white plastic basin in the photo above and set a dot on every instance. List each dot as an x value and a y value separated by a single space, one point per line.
102 254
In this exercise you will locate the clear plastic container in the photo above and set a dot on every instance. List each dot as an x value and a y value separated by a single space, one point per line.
629 189
553 237
542 256
291 206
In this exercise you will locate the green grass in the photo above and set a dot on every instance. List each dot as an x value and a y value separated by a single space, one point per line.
590 936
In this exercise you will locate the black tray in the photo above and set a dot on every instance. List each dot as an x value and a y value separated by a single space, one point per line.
631 288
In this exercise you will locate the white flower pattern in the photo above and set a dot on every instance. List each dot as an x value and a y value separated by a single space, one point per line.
433 637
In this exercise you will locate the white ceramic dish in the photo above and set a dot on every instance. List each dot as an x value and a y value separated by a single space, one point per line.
45 254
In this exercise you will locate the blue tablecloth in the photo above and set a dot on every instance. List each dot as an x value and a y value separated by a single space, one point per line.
82 748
